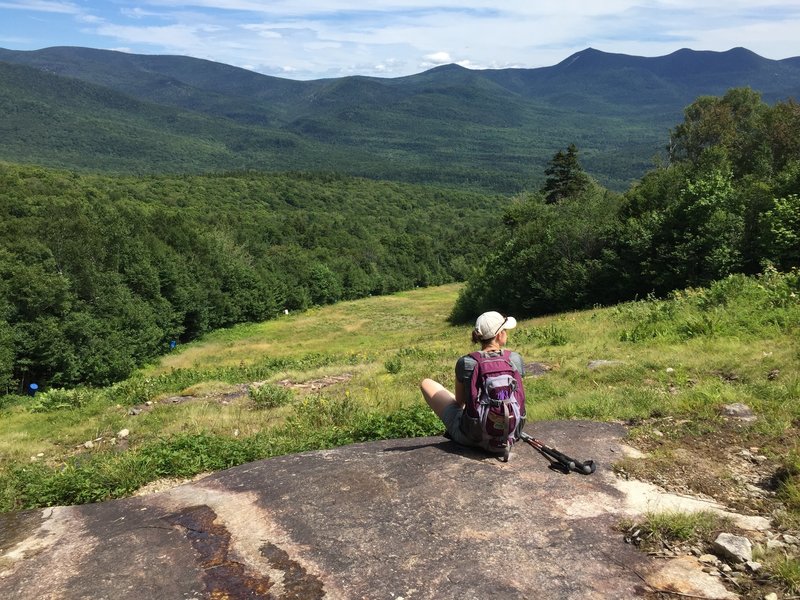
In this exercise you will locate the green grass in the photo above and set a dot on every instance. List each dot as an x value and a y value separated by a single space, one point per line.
789 486
787 571
676 526
372 353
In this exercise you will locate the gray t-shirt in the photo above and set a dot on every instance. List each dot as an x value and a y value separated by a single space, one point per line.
466 365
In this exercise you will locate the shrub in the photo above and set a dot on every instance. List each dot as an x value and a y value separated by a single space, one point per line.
416 420
12 400
319 411
548 335
393 365
57 399
734 306
270 395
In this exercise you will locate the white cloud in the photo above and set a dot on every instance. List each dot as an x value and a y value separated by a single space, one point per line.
169 37
42 6
89 19
325 38
137 12
768 39
263 30
438 58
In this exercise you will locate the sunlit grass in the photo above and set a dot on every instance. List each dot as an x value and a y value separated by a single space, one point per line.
405 337
369 326
787 571
669 527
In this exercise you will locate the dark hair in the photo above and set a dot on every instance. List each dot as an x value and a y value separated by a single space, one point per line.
477 339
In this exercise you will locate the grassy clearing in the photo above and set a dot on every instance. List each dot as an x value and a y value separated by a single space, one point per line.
367 328
350 372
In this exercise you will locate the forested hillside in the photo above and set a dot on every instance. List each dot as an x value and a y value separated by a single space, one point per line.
727 202
98 110
99 274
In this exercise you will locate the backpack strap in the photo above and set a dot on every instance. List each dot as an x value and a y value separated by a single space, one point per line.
507 421
478 356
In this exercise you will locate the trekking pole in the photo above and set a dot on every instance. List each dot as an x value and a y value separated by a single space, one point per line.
565 463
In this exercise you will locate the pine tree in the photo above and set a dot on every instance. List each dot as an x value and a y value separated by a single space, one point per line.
565 177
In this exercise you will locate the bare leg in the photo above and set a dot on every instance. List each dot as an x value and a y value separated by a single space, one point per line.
437 396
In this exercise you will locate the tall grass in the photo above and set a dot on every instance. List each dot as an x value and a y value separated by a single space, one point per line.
318 422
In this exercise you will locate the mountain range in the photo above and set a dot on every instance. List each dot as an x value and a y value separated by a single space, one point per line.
108 111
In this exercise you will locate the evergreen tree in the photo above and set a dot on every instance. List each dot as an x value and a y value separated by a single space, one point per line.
565 177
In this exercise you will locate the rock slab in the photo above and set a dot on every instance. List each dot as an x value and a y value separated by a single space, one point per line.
415 518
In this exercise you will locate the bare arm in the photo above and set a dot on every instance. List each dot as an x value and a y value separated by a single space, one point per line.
461 393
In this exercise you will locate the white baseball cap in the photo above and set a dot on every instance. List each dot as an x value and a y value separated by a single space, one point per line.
489 324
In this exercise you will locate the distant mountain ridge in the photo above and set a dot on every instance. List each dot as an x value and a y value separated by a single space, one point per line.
494 129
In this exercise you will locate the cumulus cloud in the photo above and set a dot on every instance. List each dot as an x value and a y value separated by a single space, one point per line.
438 58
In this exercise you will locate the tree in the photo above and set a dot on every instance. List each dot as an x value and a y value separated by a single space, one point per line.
99 273
565 177
553 260
782 224
734 124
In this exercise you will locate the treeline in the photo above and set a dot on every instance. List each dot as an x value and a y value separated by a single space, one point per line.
728 201
98 274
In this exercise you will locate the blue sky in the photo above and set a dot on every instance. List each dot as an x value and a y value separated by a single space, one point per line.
310 39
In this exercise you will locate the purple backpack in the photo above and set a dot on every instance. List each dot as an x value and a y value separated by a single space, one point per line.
495 410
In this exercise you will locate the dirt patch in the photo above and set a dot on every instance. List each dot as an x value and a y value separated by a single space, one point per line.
234 393
160 485
240 391
538 369
316 384
731 464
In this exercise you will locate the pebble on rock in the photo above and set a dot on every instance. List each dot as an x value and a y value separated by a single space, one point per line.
708 559
753 565
737 410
